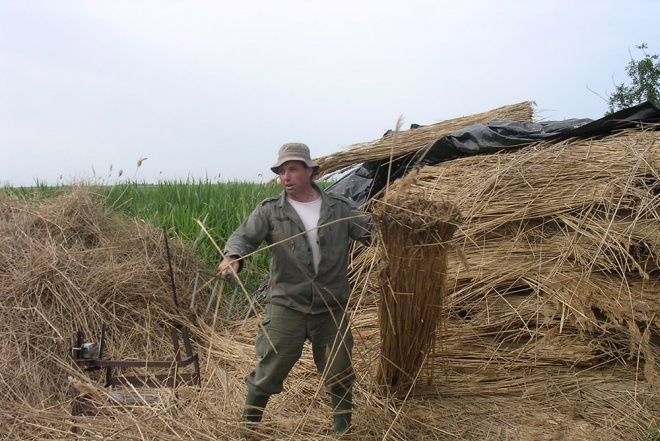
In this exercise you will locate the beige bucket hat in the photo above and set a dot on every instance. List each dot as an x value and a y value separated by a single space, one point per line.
294 151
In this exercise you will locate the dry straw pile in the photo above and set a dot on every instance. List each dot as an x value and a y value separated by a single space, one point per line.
552 312
549 326
69 264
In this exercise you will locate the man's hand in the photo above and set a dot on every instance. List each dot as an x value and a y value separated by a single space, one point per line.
229 267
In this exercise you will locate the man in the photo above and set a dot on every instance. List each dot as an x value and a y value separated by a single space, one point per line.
308 288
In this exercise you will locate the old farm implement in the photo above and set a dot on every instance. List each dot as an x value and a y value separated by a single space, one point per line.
133 382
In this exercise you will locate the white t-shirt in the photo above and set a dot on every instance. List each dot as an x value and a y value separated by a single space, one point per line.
309 213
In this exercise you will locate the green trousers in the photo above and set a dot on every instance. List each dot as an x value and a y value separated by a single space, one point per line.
280 342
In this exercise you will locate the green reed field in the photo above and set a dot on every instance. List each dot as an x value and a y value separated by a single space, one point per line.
181 206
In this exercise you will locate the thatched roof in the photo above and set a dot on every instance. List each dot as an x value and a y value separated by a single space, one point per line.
402 142
553 279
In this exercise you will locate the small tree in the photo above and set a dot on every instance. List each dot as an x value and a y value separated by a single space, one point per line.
645 77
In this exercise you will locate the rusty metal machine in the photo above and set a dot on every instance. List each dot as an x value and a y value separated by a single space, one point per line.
180 370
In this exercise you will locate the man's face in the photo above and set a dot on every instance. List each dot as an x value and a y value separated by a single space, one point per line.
296 179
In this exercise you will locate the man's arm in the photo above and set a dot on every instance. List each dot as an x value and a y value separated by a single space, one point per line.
362 227
244 241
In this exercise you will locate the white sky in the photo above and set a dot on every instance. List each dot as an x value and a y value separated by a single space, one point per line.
211 89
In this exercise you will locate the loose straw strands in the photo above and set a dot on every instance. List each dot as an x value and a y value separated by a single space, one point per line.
412 140
67 263
413 237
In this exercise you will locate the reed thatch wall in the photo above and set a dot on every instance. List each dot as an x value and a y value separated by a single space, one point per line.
553 287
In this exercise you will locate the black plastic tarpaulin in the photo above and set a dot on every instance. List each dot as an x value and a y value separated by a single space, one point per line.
369 178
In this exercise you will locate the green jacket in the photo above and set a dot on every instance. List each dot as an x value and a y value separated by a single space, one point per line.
293 283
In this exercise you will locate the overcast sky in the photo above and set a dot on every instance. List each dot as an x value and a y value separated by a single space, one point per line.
212 89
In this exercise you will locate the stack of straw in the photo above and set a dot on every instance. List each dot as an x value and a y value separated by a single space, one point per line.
556 283
68 263
553 280
414 234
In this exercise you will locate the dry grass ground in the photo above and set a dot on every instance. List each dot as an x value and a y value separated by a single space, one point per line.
550 327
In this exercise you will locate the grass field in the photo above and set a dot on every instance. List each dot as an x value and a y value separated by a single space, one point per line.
181 206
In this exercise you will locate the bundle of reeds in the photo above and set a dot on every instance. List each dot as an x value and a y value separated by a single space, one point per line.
409 141
413 236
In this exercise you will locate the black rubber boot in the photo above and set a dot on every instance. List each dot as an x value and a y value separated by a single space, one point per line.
342 410
252 413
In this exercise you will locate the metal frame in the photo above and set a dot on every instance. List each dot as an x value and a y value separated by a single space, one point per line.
113 376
